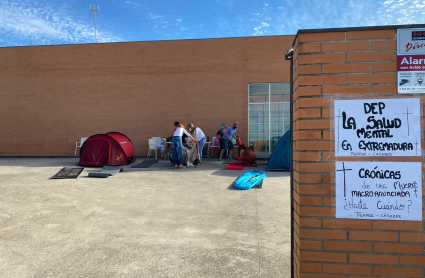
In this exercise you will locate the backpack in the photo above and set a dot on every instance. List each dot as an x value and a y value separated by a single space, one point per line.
216 142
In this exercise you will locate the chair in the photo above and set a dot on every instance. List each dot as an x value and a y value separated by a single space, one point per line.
80 144
211 145
152 147
206 146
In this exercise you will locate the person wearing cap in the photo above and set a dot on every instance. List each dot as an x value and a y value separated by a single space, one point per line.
230 133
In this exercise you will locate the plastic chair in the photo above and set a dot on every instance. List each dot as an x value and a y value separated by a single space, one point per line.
211 145
207 147
152 147
80 144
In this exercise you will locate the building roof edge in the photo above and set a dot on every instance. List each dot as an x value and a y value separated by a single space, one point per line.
101 43
361 28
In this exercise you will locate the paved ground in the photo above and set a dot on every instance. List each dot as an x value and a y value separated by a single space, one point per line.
155 222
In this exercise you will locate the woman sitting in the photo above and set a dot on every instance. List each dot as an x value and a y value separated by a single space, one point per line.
160 145
247 157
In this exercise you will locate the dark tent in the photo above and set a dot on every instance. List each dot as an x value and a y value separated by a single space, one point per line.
110 149
279 160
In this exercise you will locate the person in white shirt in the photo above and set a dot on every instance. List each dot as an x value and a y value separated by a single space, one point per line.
177 144
199 135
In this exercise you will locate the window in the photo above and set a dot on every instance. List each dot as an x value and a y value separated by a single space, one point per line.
268 115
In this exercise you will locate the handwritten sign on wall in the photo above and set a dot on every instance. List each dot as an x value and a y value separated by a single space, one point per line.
377 127
379 190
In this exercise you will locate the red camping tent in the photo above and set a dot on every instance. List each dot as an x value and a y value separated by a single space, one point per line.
110 149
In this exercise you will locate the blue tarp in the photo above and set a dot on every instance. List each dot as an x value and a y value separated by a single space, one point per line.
279 160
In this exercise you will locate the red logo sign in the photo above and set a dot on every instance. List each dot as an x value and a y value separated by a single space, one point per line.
418 35
120 157
411 63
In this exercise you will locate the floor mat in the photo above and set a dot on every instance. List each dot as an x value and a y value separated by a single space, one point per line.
144 164
259 162
106 172
68 173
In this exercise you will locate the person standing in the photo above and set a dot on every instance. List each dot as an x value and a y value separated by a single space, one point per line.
220 132
229 134
199 136
224 138
177 144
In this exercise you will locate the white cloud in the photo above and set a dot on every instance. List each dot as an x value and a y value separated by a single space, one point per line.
344 13
33 23
401 12
131 3
257 31
152 16
260 30
226 3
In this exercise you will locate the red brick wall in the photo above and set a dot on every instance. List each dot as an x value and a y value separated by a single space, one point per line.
51 96
327 67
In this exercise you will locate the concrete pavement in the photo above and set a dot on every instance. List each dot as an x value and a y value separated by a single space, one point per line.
154 222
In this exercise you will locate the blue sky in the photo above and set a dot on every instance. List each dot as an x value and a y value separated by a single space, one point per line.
41 22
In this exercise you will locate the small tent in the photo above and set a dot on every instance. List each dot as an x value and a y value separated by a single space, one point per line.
110 149
279 160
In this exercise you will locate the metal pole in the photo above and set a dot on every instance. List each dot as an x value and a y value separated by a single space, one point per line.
270 120
289 56
95 30
94 11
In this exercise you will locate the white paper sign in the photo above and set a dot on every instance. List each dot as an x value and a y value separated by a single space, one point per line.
379 190
377 127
